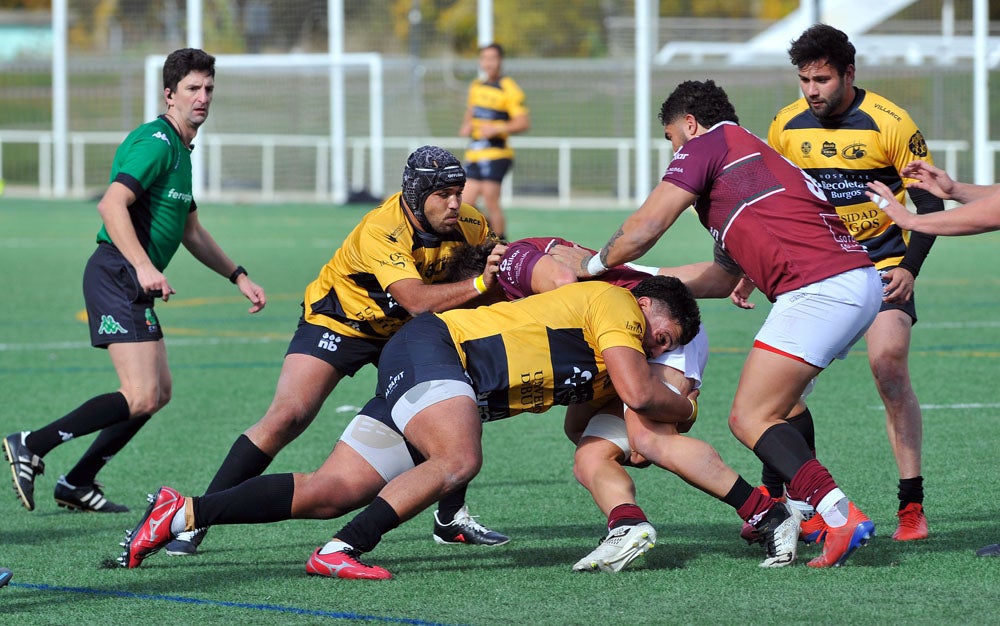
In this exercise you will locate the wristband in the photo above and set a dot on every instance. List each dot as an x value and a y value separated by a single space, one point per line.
694 410
595 267
236 273
480 284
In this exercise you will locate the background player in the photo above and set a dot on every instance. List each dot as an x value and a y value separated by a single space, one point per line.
495 110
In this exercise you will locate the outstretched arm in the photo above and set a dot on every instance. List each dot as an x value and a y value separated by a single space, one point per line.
978 216
936 181
639 232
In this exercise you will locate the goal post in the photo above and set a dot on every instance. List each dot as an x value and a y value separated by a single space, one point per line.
272 84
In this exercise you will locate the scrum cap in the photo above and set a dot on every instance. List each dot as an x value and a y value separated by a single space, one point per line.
427 170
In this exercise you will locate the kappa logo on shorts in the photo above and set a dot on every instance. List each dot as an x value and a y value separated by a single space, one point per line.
329 341
110 326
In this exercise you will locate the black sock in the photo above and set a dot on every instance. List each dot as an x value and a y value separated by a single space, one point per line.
109 442
803 422
244 461
91 416
738 493
911 490
784 449
769 477
259 500
366 529
451 504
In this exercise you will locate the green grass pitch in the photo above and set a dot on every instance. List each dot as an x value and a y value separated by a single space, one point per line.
225 364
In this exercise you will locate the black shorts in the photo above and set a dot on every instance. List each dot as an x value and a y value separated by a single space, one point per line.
421 351
347 354
910 307
488 170
118 310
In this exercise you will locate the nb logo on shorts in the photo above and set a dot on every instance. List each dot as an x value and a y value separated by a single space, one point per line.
329 342
110 326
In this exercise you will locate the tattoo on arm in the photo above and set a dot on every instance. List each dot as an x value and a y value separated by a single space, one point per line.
611 242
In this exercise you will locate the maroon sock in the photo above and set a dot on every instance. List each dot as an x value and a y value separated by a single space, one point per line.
625 514
757 503
811 483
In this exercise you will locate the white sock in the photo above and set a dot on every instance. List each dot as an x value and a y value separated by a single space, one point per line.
178 524
802 507
834 508
335 545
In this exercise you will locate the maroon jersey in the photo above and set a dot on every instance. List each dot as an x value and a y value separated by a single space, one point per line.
766 213
519 261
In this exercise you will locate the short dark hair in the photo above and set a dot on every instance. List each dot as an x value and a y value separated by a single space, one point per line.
670 292
822 42
494 45
706 101
468 260
182 62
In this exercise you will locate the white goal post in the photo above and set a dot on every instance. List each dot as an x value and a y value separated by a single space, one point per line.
153 90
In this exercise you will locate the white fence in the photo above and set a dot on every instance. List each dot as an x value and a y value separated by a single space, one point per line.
620 150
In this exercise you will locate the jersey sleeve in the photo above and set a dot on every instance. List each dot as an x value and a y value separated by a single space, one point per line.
388 259
516 99
615 320
147 159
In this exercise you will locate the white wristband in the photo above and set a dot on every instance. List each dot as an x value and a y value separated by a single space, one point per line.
595 267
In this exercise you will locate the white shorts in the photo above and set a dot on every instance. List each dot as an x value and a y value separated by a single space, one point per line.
383 448
822 321
690 359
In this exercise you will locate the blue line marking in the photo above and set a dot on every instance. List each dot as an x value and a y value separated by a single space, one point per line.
275 608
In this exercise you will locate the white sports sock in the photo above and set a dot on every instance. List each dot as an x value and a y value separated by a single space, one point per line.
178 524
335 545
802 507
834 508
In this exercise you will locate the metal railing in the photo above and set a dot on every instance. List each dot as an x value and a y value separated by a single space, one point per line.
359 148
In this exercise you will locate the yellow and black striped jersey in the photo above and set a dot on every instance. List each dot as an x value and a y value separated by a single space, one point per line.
530 354
872 140
350 295
491 103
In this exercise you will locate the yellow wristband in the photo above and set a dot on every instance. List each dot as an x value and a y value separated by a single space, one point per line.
694 410
479 284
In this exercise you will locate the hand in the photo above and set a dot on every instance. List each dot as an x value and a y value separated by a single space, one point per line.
253 292
929 178
574 257
898 285
741 292
153 282
883 197
493 265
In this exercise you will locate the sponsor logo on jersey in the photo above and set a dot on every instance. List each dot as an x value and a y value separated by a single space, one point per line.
533 391
162 137
173 194
917 144
806 148
889 112
110 326
329 342
470 220
856 150
829 149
